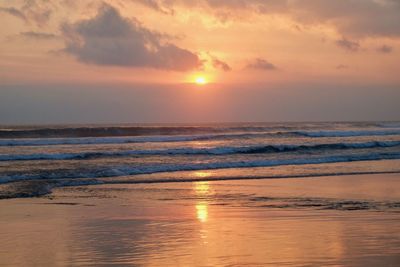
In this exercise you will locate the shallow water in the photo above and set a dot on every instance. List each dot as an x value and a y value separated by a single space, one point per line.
321 221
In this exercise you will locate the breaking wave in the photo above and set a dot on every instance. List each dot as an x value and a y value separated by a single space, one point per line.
127 170
347 133
259 149
127 140
87 137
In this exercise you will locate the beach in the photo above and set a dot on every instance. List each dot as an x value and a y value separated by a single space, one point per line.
200 133
350 220
226 194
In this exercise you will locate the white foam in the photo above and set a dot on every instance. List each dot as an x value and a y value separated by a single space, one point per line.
348 133
136 170
200 151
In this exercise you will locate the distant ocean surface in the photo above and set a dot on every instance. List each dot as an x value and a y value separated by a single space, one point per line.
35 159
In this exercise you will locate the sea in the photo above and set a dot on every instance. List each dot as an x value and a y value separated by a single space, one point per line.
36 159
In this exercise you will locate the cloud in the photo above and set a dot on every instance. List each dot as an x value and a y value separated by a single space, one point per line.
341 67
354 18
32 11
352 46
154 4
261 64
38 35
14 12
261 6
385 49
109 39
219 64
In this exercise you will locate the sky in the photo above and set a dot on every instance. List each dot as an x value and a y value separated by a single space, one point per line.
190 61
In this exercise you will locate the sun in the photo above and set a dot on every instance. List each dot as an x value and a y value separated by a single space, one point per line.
200 80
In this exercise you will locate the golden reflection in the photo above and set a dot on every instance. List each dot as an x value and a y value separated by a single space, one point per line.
201 189
201 174
202 211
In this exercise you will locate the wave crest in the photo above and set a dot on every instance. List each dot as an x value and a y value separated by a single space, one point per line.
259 149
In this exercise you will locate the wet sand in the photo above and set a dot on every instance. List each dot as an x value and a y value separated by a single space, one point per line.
321 221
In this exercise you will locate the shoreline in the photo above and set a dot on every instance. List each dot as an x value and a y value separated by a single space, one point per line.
44 187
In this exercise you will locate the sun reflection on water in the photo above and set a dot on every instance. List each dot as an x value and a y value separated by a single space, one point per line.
202 211
202 174
201 189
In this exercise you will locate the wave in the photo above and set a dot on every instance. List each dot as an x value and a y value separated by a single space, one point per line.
35 188
120 171
388 125
200 151
348 133
20 140
102 131
186 138
64 132
128 140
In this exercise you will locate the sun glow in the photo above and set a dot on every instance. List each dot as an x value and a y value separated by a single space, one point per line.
200 80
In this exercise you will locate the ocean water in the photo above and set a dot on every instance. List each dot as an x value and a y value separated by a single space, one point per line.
35 159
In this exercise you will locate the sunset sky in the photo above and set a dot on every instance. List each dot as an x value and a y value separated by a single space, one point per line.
71 61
